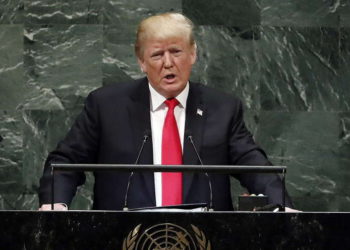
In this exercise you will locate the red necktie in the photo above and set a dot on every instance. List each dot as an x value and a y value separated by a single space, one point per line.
171 155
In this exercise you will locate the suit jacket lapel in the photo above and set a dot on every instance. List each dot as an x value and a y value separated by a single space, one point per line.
195 118
139 115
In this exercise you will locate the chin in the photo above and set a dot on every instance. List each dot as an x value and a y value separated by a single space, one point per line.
172 92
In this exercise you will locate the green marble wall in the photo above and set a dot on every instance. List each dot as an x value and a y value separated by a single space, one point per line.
289 61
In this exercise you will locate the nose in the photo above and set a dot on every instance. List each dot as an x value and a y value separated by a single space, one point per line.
168 60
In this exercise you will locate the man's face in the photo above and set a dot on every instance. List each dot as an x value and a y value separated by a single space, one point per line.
168 64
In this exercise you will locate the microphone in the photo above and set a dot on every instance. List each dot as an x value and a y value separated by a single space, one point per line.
189 137
145 139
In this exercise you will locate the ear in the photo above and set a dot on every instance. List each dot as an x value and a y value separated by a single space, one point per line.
194 54
142 65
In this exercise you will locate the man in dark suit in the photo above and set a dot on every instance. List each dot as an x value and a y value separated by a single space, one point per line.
116 118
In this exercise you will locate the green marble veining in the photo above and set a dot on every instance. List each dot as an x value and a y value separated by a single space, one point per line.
63 12
119 61
11 151
306 142
289 62
345 14
64 58
304 70
238 13
18 201
43 130
301 13
12 87
344 66
344 162
131 12
12 12
227 61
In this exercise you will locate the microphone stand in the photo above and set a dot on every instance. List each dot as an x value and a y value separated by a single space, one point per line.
145 138
206 174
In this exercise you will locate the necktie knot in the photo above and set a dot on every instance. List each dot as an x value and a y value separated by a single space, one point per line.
171 103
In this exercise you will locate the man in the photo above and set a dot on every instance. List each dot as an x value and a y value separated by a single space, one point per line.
116 118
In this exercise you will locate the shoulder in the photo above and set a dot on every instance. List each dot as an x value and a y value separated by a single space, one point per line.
212 96
119 91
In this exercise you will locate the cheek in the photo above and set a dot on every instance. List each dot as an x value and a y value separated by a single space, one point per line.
154 66
154 71
186 67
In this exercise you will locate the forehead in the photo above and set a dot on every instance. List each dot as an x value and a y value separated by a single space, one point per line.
153 43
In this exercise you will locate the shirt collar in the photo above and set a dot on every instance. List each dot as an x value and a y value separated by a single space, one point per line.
157 100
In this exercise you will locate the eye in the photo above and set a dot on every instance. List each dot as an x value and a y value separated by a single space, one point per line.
176 51
156 55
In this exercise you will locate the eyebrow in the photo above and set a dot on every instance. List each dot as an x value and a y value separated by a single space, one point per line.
158 51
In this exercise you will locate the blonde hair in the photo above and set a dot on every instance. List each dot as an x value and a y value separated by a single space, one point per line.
163 26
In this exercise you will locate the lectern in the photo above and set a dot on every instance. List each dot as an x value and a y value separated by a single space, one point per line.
139 230
54 230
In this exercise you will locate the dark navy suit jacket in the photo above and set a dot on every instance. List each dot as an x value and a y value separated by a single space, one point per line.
111 127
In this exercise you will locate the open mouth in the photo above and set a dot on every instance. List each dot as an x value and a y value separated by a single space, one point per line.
170 76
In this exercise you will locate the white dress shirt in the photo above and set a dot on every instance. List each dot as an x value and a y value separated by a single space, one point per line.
158 112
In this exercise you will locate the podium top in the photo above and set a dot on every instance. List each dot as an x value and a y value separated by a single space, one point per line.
224 169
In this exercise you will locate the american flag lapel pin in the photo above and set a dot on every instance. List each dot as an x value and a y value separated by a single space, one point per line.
200 112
